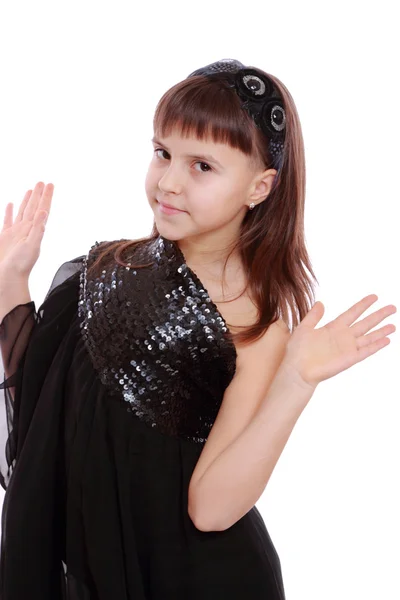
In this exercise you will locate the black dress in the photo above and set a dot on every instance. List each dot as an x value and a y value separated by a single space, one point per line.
110 392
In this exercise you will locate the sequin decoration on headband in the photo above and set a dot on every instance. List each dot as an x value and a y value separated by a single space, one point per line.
260 98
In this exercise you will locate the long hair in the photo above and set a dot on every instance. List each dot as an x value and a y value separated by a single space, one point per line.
271 242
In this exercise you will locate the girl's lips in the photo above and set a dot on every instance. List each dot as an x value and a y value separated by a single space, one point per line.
169 211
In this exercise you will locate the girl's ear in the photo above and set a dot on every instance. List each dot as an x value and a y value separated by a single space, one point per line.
262 185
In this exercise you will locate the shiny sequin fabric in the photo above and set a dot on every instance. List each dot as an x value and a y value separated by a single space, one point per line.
157 340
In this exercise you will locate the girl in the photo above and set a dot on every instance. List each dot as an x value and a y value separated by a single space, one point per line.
149 398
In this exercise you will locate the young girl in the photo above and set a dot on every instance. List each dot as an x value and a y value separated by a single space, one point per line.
147 401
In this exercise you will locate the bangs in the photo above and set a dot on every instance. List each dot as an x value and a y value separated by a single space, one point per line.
208 109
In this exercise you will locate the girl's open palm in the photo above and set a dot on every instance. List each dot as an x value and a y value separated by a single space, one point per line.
20 240
318 354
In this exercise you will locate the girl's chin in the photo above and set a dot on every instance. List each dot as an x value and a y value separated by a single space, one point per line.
168 229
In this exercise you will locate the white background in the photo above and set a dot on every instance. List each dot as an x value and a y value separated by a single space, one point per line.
79 85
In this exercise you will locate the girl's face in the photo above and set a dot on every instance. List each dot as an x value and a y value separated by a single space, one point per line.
210 183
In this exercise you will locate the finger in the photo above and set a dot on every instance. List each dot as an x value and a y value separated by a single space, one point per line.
314 315
8 216
23 206
45 201
361 327
374 336
30 211
372 348
352 314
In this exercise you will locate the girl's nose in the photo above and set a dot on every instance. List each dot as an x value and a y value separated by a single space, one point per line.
172 181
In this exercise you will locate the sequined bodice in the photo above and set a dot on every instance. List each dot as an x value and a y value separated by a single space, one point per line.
157 340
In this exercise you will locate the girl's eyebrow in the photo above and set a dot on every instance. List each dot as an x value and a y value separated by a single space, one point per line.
205 157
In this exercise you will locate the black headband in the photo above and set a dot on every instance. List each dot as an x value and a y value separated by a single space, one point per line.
259 97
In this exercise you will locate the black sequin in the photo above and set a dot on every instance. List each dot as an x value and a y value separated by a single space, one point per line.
157 340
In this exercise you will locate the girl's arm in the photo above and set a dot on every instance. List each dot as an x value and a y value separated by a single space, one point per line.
235 480
16 323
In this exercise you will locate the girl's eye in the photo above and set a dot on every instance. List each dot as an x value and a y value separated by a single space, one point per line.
203 164
159 150
206 165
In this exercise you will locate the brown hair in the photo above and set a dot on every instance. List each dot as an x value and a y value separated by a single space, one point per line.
271 241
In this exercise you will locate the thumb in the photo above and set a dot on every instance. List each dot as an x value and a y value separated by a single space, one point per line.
314 316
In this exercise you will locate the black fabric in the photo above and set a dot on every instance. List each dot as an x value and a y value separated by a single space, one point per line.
96 503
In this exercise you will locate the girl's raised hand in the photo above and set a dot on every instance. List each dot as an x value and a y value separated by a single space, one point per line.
20 240
318 354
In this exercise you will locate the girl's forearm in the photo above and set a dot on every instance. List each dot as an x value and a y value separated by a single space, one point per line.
236 479
13 291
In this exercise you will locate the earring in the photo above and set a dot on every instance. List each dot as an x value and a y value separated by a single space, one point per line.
252 205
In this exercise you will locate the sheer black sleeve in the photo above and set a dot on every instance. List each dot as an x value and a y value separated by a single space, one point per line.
16 335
